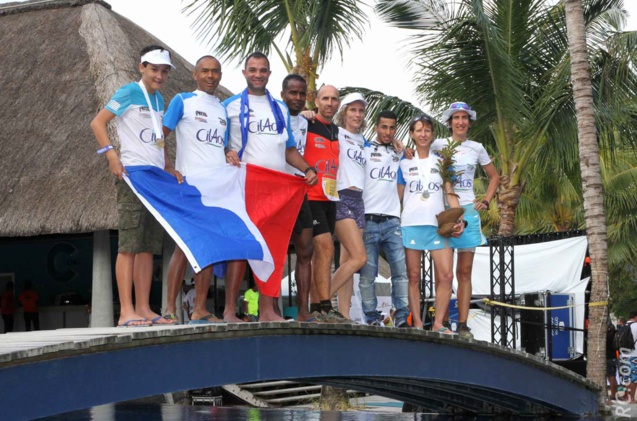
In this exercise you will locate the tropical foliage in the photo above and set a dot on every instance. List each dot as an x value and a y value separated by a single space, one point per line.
303 33
510 61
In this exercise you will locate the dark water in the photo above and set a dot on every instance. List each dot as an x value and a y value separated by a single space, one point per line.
165 412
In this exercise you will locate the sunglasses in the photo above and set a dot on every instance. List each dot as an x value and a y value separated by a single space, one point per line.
422 118
460 106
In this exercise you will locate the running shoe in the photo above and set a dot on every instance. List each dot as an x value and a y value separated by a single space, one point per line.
334 316
464 331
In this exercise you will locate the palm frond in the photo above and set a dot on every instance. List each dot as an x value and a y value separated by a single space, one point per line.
378 101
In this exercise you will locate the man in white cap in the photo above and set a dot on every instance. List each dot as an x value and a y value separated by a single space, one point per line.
139 109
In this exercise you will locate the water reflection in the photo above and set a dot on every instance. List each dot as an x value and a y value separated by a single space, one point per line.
165 412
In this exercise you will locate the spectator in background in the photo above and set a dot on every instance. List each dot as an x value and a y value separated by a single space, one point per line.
29 302
251 303
189 300
611 359
8 307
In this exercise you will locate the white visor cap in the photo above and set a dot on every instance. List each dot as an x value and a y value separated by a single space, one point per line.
157 57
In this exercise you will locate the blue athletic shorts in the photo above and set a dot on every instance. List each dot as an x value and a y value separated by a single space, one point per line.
423 237
472 235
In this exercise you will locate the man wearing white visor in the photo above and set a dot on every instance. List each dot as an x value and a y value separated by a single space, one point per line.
139 109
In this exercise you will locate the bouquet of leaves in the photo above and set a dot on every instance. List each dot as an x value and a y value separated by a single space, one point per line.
450 217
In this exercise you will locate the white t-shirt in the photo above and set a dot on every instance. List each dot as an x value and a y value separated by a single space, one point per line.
200 124
137 138
265 147
468 155
351 158
298 125
418 210
381 172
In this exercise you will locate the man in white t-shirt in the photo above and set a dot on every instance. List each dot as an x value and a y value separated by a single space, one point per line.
260 132
294 94
200 124
138 110
382 224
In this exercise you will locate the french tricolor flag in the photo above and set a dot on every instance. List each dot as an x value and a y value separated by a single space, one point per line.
226 213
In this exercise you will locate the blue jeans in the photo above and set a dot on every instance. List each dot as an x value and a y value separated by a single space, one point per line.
385 235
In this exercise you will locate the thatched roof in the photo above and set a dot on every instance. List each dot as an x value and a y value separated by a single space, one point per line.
60 62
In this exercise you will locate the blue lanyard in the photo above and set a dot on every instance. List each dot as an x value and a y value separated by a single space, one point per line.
244 117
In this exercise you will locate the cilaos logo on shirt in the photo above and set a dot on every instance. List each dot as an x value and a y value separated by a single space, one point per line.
326 167
265 127
416 186
209 137
382 174
357 156
147 136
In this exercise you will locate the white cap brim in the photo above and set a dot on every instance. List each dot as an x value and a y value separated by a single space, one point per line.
157 57
353 97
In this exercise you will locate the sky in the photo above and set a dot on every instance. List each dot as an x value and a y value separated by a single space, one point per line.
380 61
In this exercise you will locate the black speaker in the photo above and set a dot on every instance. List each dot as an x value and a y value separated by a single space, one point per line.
532 329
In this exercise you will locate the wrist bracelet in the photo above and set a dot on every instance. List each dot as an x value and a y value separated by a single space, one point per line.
104 149
309 169
485 203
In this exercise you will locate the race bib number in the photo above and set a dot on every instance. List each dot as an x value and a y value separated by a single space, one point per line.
329 188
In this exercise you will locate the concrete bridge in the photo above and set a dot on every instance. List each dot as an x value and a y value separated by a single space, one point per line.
51 372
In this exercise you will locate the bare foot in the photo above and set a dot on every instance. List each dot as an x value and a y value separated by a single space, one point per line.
442 329
132 319
232 318
156 319
206 316
270 317
303 316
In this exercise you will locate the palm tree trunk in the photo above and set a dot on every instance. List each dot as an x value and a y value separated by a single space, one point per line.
593 192
508 199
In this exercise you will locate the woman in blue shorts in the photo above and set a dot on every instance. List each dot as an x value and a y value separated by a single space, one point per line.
468 155
422 193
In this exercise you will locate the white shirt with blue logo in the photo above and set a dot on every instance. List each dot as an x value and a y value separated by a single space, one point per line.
135 126
351 158
417 208
201 127
381 173
468 155
265 147
298 124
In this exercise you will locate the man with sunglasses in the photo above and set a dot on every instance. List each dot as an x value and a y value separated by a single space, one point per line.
382 223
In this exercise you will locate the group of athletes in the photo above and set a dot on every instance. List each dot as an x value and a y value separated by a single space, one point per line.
373 196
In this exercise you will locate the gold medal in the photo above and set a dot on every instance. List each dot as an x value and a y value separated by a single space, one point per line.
160 143
425 195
